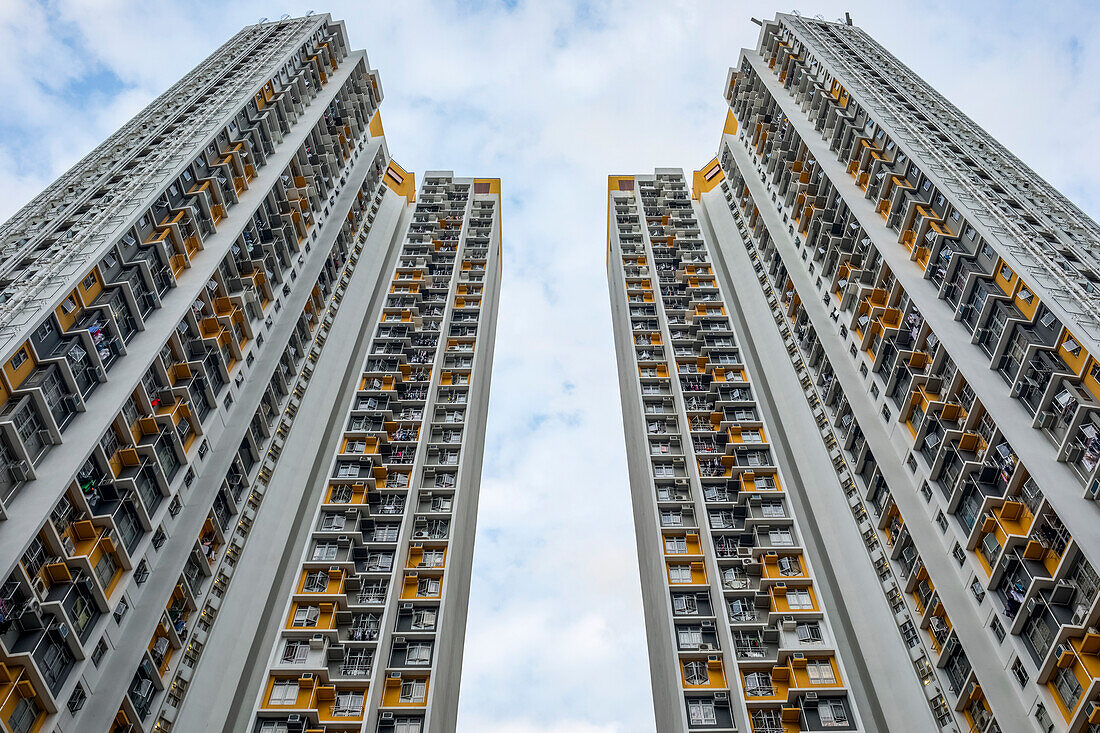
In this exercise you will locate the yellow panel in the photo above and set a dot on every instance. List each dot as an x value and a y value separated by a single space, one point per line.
18 374
376 125
706 178
494 184
615 183
731 124
401 181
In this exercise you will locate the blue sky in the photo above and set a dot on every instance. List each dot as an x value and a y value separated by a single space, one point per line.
551 97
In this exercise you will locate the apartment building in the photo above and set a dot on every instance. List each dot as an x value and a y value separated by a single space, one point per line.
166 305
740 619
937 305
372 623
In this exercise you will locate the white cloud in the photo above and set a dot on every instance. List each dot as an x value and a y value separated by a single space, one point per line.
552 97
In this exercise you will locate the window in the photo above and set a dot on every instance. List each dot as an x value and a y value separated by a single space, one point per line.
998 629
423 618
283 692
24 715
34 558
1019 672
325 551
407 725
820 672
909 633
977 590
99 652
332 522
767 721
799 598
701 712
808 633
295 651
772 509
832 713
689 637
759 684
349 704
77 699
306 616
1069 689
684 605
418 652
316 582
789 565
781 536
386 532
679 573
413 690
105 570
19 358
695 673
734 577
671 518
676 545
427 587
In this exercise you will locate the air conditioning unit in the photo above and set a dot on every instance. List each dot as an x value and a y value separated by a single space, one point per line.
1045 419
810 696
724 697
394 675
706 647
20 471
714 658
798 655
386 717
1074 454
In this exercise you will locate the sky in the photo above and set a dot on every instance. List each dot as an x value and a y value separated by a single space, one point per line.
551 97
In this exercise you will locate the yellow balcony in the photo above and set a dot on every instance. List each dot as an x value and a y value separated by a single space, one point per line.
1014 517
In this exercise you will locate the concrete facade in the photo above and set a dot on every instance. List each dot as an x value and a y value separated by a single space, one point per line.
936 301
365 629
739 596
187 314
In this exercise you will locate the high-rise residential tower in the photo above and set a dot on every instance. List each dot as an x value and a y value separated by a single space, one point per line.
185 315
927 305
371 628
